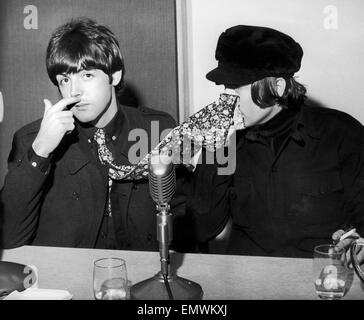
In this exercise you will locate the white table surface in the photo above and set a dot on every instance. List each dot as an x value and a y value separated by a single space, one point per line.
220 276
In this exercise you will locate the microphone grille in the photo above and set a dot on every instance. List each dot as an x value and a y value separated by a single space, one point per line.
162 179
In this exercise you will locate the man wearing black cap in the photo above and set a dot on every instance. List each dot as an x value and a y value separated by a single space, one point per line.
299 178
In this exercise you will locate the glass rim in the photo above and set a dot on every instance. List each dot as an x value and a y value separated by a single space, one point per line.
120 262
320 249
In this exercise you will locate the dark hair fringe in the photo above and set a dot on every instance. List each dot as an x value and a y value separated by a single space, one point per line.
264 93
83 44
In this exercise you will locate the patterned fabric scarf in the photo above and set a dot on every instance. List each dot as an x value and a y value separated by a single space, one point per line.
209 128
116 172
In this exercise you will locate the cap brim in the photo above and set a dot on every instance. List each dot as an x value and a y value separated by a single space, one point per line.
234 77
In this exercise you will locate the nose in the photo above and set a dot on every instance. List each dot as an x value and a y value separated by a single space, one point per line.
76 88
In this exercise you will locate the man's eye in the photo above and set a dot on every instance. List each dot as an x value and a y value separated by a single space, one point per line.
88 75
63 81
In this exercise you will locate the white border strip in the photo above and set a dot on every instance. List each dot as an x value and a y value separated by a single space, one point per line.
183 53
1 107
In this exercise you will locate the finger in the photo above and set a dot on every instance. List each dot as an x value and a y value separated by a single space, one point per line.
47 105
354 236
69 127
337 234
65 114
344 244
62 104
59 117
67 121
345 235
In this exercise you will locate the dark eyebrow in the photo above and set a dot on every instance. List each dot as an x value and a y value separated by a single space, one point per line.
81 70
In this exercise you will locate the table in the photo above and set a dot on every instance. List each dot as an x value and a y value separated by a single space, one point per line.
220 276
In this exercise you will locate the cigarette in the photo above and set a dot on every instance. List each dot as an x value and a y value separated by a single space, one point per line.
347 234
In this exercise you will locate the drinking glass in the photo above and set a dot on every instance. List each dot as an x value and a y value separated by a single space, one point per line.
330 271
110 279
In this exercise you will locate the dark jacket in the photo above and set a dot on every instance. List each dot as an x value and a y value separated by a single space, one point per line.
64 207
284 202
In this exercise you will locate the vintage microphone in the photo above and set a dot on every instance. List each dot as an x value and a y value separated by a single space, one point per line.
164 285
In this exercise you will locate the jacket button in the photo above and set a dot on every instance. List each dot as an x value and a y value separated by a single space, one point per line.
76 195
149 236
233 196
274 169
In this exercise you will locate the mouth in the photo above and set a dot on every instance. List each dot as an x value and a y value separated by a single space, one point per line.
81 106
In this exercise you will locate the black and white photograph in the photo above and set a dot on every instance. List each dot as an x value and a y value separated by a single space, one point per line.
203 151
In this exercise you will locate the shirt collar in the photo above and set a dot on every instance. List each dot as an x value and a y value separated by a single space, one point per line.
113 129
115 126
285 118
305 126
282 122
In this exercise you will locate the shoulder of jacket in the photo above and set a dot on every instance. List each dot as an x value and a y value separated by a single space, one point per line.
335 115
29 129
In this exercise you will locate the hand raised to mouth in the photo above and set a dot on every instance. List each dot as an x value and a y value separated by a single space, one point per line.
57 121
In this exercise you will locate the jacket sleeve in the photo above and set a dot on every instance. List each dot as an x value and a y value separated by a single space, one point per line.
352 174
21 197
208 200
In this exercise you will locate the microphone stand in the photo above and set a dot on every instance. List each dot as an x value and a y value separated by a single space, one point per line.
164 235
165 285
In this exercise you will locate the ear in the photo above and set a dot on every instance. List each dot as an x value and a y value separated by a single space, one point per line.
281 86
116 77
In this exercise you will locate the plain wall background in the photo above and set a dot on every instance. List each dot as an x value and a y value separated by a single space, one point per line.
333 63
